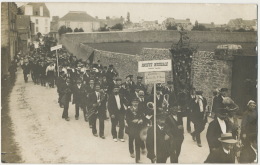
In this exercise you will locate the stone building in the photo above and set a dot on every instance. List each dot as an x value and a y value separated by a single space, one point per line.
109 22
185 23
80 19
25 30
9 42
39 15
54 27
239 23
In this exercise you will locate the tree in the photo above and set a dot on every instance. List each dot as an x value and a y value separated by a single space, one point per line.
69 30
62 30
128 17
103 28
76 30
81 30
118 26
19 11
171 27
39 34
196 24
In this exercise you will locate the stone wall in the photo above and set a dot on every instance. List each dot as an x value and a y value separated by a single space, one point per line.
159 36
210 72
125 64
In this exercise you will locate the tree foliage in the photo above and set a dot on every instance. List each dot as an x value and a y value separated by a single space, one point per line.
81 30
19 11
76 30
62 30
118 26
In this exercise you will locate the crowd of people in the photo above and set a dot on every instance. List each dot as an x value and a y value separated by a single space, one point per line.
98 90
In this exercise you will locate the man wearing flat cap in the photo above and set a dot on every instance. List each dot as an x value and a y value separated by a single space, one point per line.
163 140
198 107
218 102
140 85
130 84
116 110
225 153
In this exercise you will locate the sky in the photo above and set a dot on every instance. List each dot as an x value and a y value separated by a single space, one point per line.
204 13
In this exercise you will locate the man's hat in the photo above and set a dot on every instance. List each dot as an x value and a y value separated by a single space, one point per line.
222 111
223 90
130 76
139 77
110 66
199 92
158 88
118 79
250 102
227 138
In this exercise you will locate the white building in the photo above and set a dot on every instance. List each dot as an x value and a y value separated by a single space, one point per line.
40 16
80 19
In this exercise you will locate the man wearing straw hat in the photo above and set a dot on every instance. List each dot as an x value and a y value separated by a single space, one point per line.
225 154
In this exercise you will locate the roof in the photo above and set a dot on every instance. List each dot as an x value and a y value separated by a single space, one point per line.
239 22
36 9
78 16
23 21
178 20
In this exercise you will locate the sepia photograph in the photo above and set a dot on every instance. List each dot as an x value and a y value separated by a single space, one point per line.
129 82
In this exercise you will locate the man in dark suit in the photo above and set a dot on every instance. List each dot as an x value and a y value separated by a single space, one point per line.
140 85
163 141
218 101
130 84
61 80
217 127
98 101
249 152
135 122
66 92
224 154
159 98
117 114
175 123
26 71
198 110
79 98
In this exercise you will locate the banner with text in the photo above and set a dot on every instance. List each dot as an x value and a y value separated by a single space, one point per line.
154 77
154 65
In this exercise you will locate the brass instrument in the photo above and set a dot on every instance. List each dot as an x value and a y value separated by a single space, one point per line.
150 105
165 103
94 109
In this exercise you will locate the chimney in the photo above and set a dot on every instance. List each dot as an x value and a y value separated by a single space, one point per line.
107 17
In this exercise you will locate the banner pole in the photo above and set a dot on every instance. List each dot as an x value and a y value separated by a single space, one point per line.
154 115
57 63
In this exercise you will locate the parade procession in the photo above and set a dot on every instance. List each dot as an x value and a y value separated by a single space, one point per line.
77 104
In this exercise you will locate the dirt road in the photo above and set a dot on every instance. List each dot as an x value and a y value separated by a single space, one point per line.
44 137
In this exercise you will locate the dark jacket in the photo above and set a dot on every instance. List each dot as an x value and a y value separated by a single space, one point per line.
213 133
219 156
65 91
80 95
101 109
247 155
133 129
163 146
173 126
112 105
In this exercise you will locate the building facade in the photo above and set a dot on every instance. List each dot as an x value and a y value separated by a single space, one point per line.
9 42
40 16
184 23
80 19
239 23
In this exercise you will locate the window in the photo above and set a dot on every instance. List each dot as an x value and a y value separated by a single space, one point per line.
36 21
46 22
46 29
67 24
36 13
37 29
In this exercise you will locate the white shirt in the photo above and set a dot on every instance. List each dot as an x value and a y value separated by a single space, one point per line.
98 96
255 161
160 127
226 151
79 85
223 125
118 101
175 117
